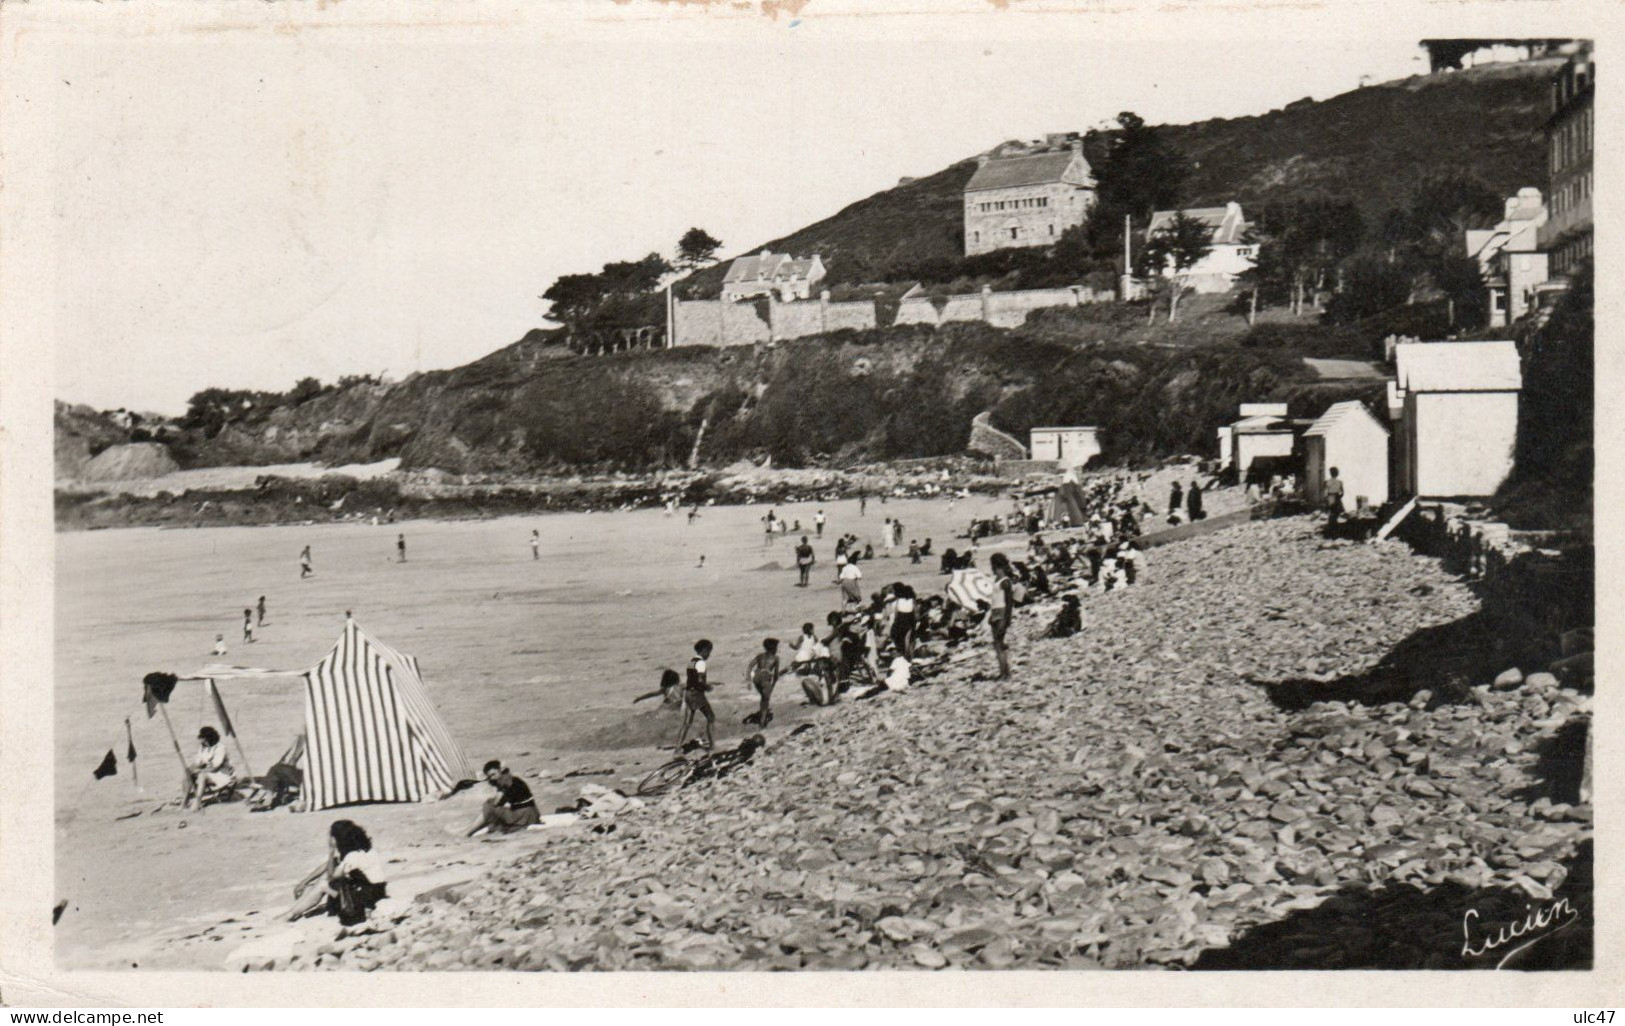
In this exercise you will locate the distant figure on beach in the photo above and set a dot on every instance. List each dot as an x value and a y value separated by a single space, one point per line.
248 626
304 563
259 610
400 548
1334 498
1176 497
694 513
701 564
914 552
818 523
760 676
925 550
1003 600
219 644
804 561
512 809
670 691
694 692
1068 621
887 537
903 619
353 878
536 542
770 526
1193 502
863 504
211 767
851 584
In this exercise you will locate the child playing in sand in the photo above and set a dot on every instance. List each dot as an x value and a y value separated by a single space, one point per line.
694 691
259 609
304 563
670 691
219 644
762 673
248 626
536 542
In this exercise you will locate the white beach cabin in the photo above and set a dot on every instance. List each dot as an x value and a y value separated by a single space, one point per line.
1458 416
1349 438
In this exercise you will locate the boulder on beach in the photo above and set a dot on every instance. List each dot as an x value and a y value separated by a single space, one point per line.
130 462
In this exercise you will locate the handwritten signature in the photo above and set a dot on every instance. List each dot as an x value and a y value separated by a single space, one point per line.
1536 925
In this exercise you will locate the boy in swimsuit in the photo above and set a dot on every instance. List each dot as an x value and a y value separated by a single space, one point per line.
694 700
761 675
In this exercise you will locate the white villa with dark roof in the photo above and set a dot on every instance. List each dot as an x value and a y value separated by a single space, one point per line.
1027 195
766 274
1231 253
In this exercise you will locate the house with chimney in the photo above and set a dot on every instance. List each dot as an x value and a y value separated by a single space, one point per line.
772 274
1509 257
1231 254
1027 194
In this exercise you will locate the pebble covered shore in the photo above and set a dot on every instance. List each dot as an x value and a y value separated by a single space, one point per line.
1276 751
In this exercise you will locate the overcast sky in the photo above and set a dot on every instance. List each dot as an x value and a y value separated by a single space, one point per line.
245 206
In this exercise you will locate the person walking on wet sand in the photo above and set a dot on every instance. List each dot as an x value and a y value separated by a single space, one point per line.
512 809
804 561
259 611
536 542
304 563
400 548
760 676
694 692
248 626
818 523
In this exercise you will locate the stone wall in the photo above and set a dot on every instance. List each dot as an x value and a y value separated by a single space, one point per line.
1000 309
715 323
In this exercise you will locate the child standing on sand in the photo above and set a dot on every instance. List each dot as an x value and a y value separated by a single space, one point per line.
248 626
694 692
761 675
304 563
260 611
219 644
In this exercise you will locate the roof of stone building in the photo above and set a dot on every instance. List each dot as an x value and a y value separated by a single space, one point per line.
765 265
1032 169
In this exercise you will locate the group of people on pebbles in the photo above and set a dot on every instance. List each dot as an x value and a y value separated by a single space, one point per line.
909 634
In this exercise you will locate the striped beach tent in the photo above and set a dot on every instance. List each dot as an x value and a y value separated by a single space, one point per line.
372 734
967 587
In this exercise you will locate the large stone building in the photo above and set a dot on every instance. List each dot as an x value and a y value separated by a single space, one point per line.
1027 194
1566 235
1231 254
772 274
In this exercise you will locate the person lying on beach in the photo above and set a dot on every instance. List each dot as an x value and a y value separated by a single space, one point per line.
348 884
760 676
512 809
694 696
670 691
211 767
925 549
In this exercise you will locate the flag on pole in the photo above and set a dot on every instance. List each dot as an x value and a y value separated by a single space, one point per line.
108 767
155 690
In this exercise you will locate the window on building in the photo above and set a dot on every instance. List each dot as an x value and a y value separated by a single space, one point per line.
1015 233
1052 229
976 236
1245 251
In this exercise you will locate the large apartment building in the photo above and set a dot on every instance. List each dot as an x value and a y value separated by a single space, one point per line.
1566 235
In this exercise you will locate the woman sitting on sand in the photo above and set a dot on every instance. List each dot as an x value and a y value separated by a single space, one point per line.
352 879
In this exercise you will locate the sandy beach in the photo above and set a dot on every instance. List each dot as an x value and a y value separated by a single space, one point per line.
531 661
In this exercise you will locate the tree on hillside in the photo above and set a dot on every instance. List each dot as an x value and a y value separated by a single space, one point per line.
579 298
696 249
1301 246
1171 253
1139 174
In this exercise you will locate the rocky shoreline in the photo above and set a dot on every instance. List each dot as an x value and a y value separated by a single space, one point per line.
1277 751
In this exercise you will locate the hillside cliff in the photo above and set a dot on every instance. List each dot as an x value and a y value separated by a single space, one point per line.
1373 145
